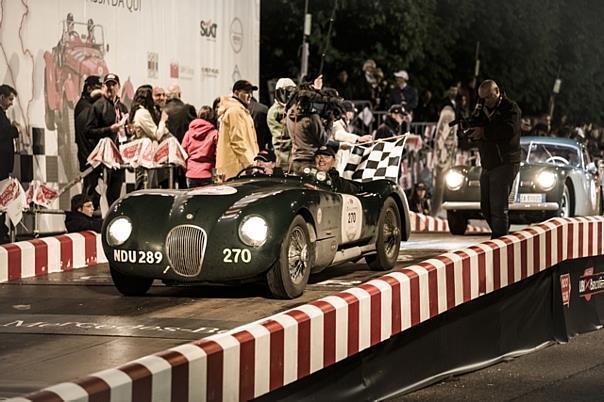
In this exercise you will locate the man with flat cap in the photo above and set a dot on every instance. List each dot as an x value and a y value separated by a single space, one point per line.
325 161
107 120
237 143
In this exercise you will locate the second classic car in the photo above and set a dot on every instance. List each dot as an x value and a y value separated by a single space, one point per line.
556 178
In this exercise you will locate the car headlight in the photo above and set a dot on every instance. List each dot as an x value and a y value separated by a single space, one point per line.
253 230
118 231
546 180
454 180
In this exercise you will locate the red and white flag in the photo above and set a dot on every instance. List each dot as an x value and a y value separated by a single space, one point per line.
105 153
12 199
170 151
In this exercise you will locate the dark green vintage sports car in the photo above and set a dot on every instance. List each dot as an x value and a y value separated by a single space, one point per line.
556 178
278 229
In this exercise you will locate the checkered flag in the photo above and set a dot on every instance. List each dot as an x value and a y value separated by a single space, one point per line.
382 160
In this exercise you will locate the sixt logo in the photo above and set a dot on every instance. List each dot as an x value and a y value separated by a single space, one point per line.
207 29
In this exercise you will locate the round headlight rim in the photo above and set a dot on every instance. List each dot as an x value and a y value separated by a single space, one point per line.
539 180
245 239
109 236
461 176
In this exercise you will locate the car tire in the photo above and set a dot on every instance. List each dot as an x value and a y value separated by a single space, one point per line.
566 203
388 242
458 223
130 285
288 276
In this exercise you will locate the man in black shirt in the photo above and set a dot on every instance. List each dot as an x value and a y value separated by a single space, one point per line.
499 146
107 120
80 217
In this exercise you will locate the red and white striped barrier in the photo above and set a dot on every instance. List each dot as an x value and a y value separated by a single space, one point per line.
42 256
256 358
425 223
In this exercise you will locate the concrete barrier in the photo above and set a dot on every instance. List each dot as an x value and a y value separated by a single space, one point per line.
425 223
254 359
42 256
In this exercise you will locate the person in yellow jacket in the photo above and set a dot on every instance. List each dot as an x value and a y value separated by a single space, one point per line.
237 144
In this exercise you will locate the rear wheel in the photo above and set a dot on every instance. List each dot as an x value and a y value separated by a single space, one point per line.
457 223
130 285
388 241
287 278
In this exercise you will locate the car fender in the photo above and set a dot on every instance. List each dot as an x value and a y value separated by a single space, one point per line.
70 90
50 77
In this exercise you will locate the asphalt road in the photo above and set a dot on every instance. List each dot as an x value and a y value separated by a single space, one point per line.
67 325
573 371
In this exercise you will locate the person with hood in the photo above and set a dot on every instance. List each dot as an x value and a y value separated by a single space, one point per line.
80 217
200 143
282 143
82 113
237 143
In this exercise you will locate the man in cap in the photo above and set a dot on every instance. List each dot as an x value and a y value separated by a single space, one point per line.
282 143
237 143
82 113
403 94
107 120
393 123
325 161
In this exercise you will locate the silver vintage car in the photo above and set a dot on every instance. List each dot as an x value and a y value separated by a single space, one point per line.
556 178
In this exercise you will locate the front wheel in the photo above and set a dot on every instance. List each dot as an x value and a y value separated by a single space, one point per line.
130 285
457 223
388 241
288 276
565 210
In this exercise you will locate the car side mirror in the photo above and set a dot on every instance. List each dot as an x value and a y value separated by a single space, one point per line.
592 168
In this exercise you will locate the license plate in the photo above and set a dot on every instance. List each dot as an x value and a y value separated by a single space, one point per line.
137 256
531 197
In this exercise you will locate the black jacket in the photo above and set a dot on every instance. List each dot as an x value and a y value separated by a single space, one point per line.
501 144
389 128
341 184
7 147
101 119
83 112
180 115
78 222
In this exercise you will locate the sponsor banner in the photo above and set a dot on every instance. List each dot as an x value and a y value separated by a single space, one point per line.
565 289
591 284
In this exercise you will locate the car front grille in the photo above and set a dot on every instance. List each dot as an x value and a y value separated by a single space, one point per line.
514 192
185 247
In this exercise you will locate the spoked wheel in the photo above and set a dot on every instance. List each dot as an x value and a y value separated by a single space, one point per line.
287 278
388 241
130 285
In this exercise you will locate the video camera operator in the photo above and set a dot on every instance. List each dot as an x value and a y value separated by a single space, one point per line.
310 117
497 134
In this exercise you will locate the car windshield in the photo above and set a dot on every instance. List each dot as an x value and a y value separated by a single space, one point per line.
553 154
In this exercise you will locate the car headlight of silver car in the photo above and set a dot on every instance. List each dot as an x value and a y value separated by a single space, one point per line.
546 180
253 230
454 180
118 231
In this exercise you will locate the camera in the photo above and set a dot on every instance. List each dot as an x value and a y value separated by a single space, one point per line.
326 103
478 118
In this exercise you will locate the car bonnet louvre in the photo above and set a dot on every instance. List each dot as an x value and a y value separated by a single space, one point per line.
185 247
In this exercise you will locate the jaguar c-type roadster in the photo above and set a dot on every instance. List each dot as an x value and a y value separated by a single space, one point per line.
276 229
556 178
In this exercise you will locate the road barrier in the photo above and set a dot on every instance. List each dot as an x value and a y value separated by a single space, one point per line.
42 256
259 357
425 223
